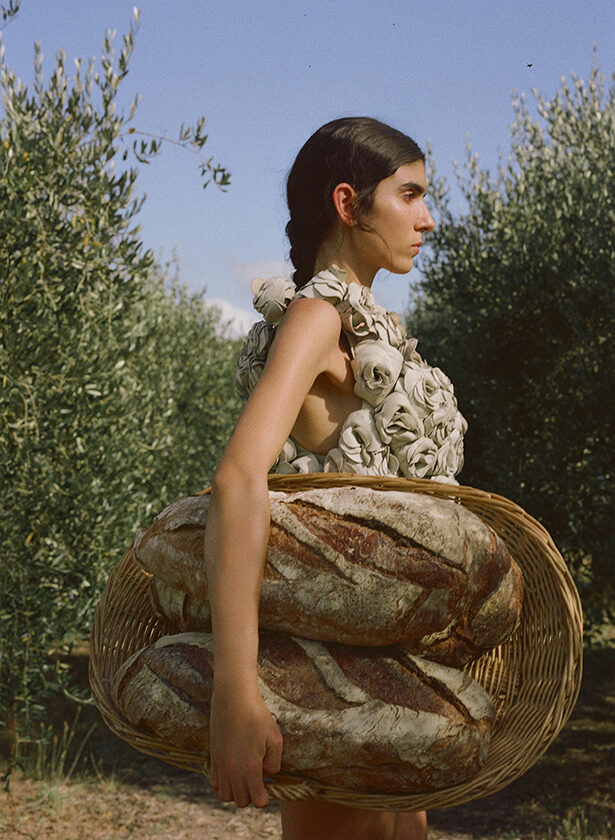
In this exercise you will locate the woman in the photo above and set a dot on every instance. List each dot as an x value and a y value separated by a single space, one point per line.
356 201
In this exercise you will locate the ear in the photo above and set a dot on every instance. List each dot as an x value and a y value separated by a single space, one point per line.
343 200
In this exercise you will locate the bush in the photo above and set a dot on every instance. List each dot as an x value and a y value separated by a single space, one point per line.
517 306
116 393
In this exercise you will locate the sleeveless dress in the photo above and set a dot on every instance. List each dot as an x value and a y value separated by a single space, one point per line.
408 425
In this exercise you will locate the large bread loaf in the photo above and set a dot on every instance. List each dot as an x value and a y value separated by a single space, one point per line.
355 565
359 718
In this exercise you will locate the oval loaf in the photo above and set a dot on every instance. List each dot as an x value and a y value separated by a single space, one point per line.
359 718
354 565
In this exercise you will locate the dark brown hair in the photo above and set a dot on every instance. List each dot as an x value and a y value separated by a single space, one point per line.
360 151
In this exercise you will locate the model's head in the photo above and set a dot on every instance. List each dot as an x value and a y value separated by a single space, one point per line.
359 151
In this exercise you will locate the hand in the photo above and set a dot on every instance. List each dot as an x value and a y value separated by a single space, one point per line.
245 743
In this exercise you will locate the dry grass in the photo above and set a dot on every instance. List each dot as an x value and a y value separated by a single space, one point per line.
121 795
92 810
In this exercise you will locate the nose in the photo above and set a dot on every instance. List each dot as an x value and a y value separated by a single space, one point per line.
425 220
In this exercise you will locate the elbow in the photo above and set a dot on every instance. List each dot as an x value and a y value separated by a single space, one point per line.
232 478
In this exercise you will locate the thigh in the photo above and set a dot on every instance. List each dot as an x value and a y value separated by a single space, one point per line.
412 826
316 819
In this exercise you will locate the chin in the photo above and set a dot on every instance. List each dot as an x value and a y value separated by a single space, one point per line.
401 267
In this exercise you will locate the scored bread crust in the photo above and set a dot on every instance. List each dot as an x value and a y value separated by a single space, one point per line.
356 718
354 565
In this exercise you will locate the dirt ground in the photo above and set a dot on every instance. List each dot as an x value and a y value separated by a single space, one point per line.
120 794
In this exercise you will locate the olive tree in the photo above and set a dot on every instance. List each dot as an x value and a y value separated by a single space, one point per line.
8 12
116 391
517 305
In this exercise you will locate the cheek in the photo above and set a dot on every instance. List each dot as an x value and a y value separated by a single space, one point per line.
403 222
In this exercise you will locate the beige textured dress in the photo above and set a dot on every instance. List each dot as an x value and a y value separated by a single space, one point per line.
409 424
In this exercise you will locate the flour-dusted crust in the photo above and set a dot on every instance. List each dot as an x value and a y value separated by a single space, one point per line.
172 547
358 566
357 718
181 609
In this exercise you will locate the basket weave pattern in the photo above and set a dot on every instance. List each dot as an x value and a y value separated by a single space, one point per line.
533 679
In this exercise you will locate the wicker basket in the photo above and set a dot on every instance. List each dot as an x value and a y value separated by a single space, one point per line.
533 679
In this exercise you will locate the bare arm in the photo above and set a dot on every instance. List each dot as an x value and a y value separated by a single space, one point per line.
245 739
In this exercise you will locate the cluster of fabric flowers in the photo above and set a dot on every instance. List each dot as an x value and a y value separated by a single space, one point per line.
409 423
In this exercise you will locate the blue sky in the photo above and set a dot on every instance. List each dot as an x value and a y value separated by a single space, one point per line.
266 74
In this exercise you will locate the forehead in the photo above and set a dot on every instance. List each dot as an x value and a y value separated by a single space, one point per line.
409 173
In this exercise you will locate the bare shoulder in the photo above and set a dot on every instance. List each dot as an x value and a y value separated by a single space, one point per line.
310 320
306 340
305 343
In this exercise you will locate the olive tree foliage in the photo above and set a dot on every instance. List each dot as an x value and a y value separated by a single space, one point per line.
8 12
116 393
518 305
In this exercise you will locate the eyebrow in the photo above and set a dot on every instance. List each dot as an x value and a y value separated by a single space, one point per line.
411 185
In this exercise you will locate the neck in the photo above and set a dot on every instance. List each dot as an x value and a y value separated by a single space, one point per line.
335 249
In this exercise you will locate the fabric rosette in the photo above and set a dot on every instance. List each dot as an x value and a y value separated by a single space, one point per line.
409 423
272 296
449 459
361 315
327 285
361 310
446 421
252 357
293 459
396 419
366 319
360 449
428 388
417 458
388 327
446 426
408 350
376 367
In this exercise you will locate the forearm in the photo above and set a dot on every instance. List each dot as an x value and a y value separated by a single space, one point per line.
235 546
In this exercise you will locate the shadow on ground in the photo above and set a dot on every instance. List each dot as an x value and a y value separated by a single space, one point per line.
575 775
570 792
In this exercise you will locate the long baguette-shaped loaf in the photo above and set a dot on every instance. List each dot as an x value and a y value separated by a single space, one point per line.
355 565
359 718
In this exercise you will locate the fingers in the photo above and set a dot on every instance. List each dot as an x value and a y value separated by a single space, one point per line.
244 746
248 787
257 792
219 783
273 757
242 788
239 782
225 790
241 793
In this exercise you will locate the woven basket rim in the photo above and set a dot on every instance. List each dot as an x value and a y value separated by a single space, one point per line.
554 680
